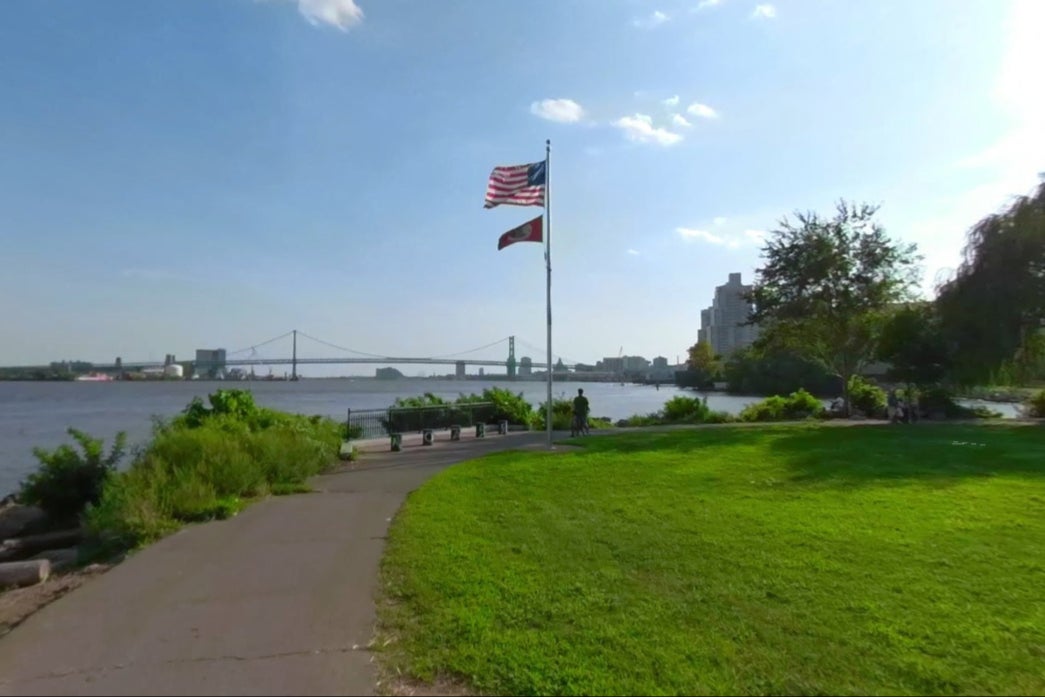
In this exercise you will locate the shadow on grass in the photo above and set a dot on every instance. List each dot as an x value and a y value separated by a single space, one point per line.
900 453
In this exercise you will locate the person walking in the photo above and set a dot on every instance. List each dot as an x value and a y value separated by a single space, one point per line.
580 414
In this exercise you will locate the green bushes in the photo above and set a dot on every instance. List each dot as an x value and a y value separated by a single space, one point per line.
562 416
206 462
866 398
67 480
938 401
507 406
1036 405
797 405
679 410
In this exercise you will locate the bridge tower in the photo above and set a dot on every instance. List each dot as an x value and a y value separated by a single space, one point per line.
294 359
511 358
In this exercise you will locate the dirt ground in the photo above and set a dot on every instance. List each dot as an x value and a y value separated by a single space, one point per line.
19 603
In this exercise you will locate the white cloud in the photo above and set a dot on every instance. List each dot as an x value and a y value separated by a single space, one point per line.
640 128
671 101
560 110
702 110
654 20
337 13
689 233
633 252
705 4
680 121
723 237
764 12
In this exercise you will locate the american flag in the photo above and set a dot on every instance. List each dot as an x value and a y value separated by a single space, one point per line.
516 185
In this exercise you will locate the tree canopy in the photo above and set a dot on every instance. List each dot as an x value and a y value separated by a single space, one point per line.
993 310
826 284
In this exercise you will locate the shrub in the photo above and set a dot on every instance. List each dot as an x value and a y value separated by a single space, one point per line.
562 416
797 405
867 398
67 480
509 407
1036 405
654 419
206 463
426 400
685 409
938 400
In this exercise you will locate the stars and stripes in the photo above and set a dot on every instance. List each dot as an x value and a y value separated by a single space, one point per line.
516 185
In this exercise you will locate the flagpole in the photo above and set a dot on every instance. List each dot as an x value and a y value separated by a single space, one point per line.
548 268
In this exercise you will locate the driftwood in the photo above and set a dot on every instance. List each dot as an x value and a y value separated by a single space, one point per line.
24 573
23 547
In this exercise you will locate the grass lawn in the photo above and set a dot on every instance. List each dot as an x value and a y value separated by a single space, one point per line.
787 559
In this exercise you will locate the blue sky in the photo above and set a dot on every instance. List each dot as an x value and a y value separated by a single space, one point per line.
178 174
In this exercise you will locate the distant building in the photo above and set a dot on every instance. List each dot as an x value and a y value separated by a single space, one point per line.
723 325
210 363
460 368
611 365
525 366
660 363
635 364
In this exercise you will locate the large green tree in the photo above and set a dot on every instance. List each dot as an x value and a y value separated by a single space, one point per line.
913 344
993 310
826 285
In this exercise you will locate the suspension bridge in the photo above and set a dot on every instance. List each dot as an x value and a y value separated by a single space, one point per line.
213 362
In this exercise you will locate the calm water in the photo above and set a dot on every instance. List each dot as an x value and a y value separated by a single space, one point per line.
38 413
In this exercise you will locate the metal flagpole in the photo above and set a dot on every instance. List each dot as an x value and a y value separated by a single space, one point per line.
548 267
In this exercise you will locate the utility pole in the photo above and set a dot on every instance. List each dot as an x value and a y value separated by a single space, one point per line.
294 359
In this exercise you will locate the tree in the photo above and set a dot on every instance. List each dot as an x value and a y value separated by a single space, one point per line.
826 285
913 344
703 359
994 307
755 371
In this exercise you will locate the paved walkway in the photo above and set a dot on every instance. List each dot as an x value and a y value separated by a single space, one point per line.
278 600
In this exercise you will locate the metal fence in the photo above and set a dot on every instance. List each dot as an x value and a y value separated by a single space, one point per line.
376 423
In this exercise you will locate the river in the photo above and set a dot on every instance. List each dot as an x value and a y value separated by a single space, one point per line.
38 413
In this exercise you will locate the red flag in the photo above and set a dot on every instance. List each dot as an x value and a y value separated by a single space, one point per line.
527 232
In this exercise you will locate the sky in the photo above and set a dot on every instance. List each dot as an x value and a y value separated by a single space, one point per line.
182 174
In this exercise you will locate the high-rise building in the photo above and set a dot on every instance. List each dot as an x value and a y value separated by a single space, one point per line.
723 325
525 366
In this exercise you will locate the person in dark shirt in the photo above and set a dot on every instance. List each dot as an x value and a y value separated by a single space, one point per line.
580 414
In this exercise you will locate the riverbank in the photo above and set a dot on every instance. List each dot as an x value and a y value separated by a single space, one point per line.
38 414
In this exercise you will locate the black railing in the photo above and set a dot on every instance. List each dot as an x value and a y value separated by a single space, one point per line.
376 423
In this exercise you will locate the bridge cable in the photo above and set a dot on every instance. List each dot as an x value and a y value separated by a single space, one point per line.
263 343
462 353
339 348
541 350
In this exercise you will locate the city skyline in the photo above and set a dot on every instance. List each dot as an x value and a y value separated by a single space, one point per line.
196 174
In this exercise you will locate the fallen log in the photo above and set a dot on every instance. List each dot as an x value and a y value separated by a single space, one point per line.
24 573
21 547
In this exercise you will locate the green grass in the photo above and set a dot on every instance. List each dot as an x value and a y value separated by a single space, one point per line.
790 559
